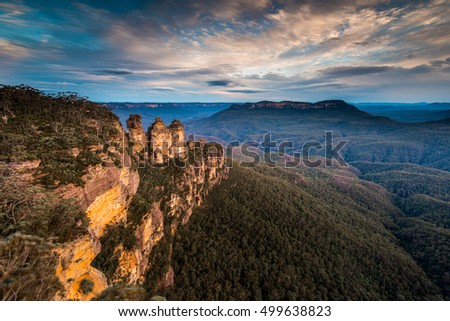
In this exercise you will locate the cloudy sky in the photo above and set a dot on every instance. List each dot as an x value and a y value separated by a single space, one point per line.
229 50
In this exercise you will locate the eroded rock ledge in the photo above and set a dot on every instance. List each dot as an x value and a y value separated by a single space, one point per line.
135 210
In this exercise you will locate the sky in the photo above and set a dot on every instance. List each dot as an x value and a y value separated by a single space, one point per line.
229 50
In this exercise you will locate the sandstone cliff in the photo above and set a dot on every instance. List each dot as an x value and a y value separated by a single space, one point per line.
105 195
131 212
84 206
136 250
136 132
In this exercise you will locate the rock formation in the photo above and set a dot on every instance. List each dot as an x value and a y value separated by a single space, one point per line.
109 191
166 142
89 214
106 194
173 200
136 132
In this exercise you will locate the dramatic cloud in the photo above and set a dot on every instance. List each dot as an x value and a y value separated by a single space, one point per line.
115 72
12 51
339 72
245 91
229 50
220 83
440 63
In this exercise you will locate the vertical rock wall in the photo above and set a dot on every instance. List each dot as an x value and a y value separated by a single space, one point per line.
106 196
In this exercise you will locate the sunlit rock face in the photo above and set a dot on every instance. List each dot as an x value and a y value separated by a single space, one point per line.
107 208
137 135
178 195
166 142
106 197
106 193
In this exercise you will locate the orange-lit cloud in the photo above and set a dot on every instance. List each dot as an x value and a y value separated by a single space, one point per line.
232 50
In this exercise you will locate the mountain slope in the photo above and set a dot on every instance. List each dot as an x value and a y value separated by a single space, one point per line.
370 138
265 234
420 112
424 196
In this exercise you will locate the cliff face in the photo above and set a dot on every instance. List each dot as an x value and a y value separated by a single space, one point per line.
136 249
136 132
79 194
173 206
109 206
131 213
105 195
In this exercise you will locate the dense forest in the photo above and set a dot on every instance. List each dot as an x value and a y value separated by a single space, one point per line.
424 228
269 234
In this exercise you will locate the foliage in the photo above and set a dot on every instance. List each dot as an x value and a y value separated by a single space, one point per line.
423 228
408 181
86 286
430 247
265 235
159 262
427 208
49 127
155 183
107 260
32 210
27 269
123 292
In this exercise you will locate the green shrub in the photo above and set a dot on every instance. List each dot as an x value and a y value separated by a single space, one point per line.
86 286
107 260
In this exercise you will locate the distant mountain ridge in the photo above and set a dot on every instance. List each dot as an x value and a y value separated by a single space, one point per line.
408 113
402 106
325 104
166 111
370 137
128 105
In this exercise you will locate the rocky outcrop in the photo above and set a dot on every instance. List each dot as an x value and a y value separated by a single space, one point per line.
134 263
136 132
166 142
106 196
109 205
174 193
74 268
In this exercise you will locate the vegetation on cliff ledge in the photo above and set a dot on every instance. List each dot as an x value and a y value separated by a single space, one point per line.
45 141
32 221
65 132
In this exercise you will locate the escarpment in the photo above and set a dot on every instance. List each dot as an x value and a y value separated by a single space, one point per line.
175 177
134 212
92 204
105 195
